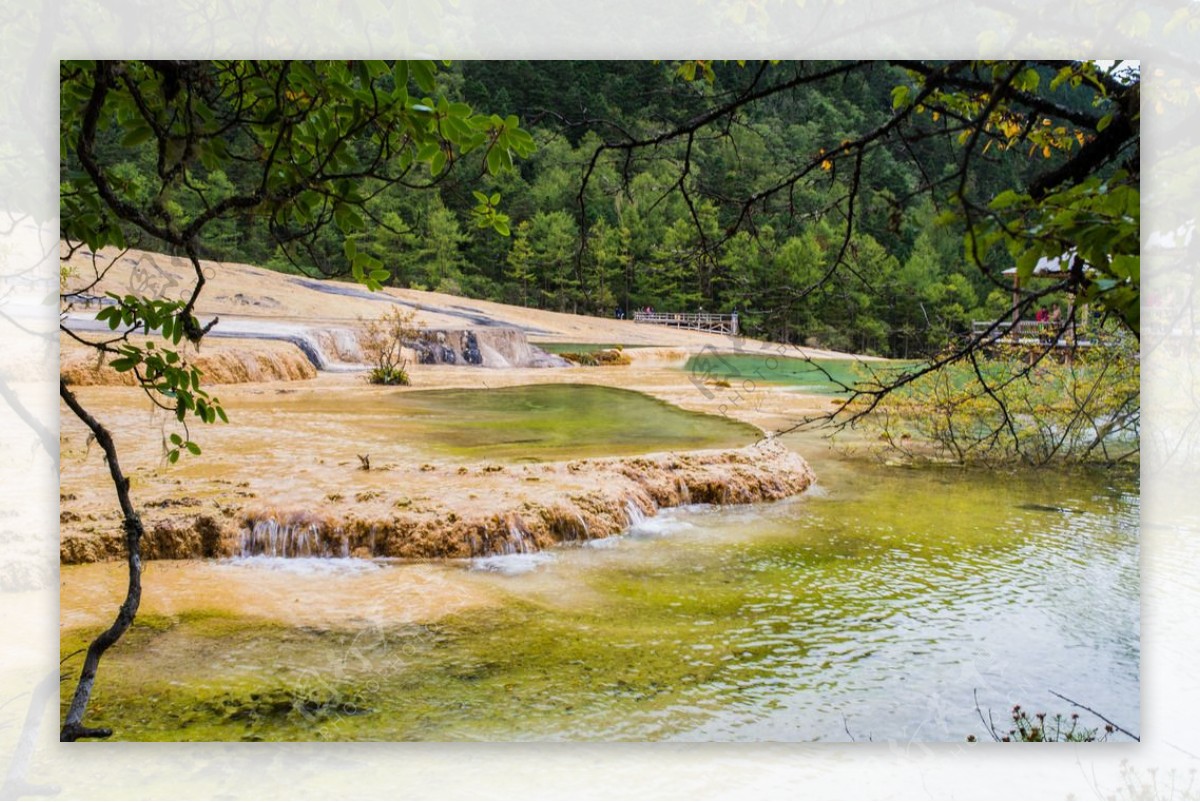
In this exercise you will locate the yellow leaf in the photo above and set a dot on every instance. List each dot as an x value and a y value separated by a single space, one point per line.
827 165
1046 151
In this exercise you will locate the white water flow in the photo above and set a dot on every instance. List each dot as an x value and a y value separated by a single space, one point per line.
270 538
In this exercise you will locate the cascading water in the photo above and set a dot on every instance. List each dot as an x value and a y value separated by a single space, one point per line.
339 345
269 538
685 493
516 542
514 555
634 513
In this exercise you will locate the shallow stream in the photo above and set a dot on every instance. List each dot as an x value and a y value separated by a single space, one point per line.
873 606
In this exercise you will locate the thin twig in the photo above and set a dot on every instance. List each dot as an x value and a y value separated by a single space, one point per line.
1100 716
990 726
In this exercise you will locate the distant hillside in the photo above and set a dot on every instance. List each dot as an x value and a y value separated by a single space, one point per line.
635 239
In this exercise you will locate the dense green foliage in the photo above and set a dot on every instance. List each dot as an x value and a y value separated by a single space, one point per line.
792 209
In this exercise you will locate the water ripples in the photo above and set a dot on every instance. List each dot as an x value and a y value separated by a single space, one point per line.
877 610
898 623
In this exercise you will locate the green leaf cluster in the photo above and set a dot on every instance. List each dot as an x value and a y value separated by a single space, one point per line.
160 370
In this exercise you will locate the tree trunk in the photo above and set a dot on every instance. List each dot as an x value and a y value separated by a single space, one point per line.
73 727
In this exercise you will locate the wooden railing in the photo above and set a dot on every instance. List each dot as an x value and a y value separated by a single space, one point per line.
698 321
1030 332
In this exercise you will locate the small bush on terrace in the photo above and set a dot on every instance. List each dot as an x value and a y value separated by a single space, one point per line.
383 341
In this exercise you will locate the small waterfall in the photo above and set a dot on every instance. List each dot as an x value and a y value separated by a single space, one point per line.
309 345
270 538
583 526
484 346
685 493
634 513
345 345
492 358
515 543
325 349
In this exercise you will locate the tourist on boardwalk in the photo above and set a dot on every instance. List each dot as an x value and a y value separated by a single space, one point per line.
1055 324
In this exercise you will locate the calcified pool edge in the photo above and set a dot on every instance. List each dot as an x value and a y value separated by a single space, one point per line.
622 492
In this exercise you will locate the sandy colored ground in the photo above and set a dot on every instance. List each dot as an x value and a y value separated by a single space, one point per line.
252 292
221 362
261 468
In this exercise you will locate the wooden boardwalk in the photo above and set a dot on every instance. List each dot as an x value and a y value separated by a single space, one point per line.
1031 333
697 321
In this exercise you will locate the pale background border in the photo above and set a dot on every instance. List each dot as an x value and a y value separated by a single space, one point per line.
35 35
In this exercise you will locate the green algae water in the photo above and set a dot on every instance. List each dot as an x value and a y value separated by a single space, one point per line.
528 423
873 606
746 371
557 421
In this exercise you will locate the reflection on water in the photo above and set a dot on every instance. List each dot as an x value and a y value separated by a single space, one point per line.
875 608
